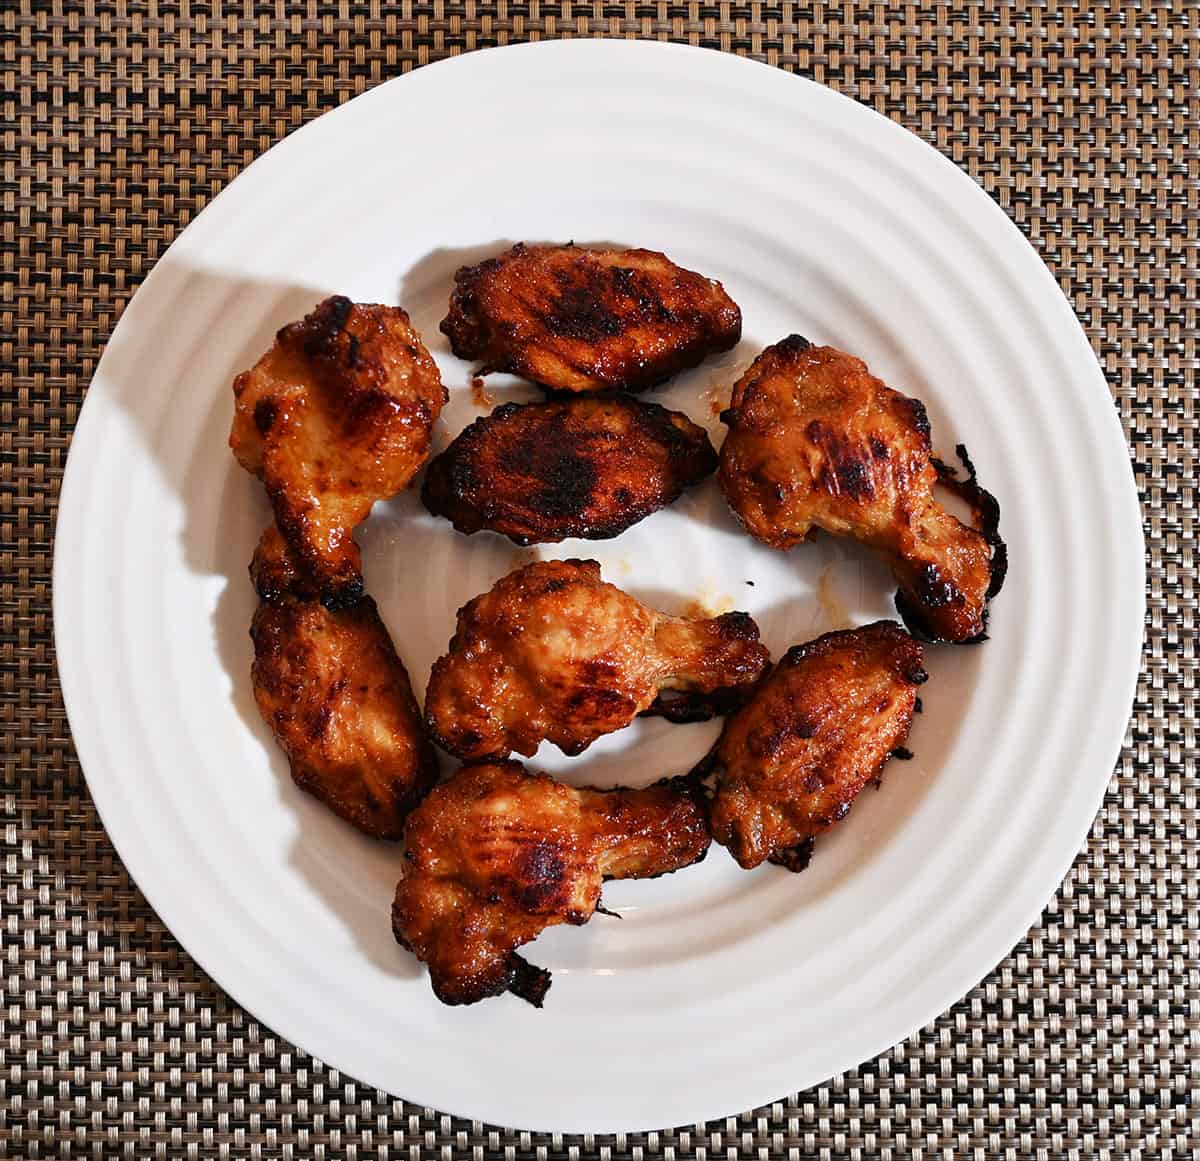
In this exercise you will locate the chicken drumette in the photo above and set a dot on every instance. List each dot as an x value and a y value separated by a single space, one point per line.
336 695
790 762
336 415
816 441
578 319
552 652
587 467
497 854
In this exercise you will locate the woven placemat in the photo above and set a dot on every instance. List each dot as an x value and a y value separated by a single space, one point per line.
121 121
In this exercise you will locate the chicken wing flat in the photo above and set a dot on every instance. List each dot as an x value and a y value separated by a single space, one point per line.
336 695
588 467
497 854
336 415
552 652
816 441
790 762
579 319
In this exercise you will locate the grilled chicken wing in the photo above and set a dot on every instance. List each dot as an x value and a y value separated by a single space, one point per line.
578 319
552 652
587 467
790 762
816 441
496 855
336 415
329 684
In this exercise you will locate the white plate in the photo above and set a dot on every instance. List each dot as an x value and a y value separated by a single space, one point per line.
719 990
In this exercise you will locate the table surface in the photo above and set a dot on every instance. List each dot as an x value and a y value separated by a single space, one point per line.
120 121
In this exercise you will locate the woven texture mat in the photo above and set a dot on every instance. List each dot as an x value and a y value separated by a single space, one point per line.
120 122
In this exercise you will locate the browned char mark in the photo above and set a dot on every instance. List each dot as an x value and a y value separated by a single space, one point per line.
931 588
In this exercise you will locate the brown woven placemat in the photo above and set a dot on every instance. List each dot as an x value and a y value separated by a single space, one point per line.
121 120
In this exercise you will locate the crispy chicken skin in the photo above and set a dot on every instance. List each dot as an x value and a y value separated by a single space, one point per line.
790 762
816 441
553 652
336 695
579 319
497 854
588 467
336 415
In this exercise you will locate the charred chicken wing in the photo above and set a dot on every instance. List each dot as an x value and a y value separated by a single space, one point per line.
587 467
330 686
816 441
552 652
790 762
336 415
496 854
579 319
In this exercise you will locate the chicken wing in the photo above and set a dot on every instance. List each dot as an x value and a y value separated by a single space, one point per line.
790 762
336 695
552 652
816 441
336 415
497 854
587 467
579 319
